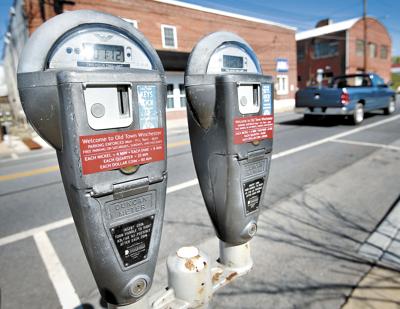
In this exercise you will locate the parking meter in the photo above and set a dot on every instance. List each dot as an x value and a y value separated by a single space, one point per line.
94 88
230 115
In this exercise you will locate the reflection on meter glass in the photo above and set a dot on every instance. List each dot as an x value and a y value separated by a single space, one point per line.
103 53
96 47
232 57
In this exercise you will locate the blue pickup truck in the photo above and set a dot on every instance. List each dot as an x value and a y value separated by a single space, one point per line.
348 95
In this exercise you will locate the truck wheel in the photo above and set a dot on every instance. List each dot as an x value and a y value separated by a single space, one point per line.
358 115
391 107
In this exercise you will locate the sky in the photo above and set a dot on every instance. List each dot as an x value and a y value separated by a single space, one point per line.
297 13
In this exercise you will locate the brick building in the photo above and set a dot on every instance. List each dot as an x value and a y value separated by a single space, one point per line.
174 27
338 48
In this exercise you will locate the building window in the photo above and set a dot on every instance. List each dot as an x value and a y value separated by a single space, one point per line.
170 96
282 84
324 48
182 95
373 50
169 38
384 51
133 22
300 53
360 48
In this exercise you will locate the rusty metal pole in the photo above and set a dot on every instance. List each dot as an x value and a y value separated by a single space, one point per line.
189 275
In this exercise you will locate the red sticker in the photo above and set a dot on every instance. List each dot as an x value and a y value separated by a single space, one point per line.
254 128
104 152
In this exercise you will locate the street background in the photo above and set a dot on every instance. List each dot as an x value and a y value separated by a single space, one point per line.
330 187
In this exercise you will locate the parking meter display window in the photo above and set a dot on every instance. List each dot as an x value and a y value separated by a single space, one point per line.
105 152
233 58
252 194
132 240
82 49
147 100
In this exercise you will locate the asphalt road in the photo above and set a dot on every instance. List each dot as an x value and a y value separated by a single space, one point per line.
330 185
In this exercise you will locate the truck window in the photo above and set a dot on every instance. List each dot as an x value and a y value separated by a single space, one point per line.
351 81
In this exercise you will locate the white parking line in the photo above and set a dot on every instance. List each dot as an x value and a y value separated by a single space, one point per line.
193 182
57 273
61 223
29 233
183 185
344 141
27 157
333 137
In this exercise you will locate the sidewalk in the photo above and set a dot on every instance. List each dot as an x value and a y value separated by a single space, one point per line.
380 287
306 251
12 146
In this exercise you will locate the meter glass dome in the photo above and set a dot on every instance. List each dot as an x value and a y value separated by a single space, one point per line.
98 47
233 58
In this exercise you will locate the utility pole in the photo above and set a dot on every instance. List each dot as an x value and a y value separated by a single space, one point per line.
365 35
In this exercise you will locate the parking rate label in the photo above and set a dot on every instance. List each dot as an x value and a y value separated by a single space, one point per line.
104 152
255 128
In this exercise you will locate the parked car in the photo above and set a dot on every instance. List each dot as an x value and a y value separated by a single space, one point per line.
348 95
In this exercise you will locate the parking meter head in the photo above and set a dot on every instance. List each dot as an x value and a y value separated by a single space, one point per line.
94 88
230 115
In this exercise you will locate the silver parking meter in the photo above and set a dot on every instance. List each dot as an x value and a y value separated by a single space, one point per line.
94 88
230 115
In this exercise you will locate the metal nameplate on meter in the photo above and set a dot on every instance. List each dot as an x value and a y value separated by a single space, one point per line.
132 240
252 194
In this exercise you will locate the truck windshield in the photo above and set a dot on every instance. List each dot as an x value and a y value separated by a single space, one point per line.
351 81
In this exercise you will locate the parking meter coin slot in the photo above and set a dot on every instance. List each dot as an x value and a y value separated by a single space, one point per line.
124 101
249 99
108 107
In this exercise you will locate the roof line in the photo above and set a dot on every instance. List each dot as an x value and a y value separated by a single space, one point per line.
331 28
225 13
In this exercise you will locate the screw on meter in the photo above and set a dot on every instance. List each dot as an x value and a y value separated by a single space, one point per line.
230 114
94 88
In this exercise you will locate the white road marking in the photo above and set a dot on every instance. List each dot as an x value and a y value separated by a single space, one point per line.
14 156
183 185
27 157
31 232
193 182
57 273
67 221
343 141
333 137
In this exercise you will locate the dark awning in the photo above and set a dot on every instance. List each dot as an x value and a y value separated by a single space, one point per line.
172 60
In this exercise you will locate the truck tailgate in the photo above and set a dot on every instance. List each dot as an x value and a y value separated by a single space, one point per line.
318 97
